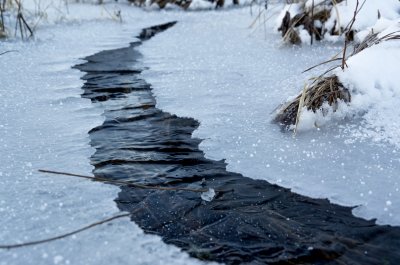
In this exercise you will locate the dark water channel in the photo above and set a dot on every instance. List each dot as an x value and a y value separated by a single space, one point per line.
251 222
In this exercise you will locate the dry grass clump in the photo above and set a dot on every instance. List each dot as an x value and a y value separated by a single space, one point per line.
181 3
327 89
323 89
14 9
2 27
373 39
162 3
312 19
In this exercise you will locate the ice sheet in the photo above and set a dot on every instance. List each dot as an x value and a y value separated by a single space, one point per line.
232 80
44 124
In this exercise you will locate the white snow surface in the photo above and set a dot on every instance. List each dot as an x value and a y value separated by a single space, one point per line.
373 80
367 15
217 72
341 15
373 76
210 66
43 125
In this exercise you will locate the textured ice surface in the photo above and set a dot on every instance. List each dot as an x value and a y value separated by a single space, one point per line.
231 81
44 124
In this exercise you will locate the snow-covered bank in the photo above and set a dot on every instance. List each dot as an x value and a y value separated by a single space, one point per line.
373 77
368 76
327 19
44 124
232 82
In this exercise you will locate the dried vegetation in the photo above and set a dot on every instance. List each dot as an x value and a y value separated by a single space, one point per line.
22 27
184 4
324 89
312 19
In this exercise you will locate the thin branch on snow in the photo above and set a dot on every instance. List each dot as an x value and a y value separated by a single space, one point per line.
38 242
119 182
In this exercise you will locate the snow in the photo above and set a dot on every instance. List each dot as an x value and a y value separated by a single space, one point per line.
43 125
367 16
293 9
231 82
314 3
373 77
341 15
209 67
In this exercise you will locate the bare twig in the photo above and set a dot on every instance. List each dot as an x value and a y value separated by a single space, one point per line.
256 19
26 25
337 15
357 10
21 22
20 25
37 242
312 21
2 18
315 66
348 32
119 182
8 52
301 104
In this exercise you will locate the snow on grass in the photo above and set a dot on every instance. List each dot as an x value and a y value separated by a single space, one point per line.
366 17
373 76
293 9
339 17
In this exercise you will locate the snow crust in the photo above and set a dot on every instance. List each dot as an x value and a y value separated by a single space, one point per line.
374 78
367 16
210 67
341 15
43 125
232 80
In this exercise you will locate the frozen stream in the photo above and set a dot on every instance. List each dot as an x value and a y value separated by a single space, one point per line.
44 123
218 74
247 221
231 81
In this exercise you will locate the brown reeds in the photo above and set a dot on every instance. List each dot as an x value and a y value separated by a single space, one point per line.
184 4
373 39
307 20
181 3
21 23
2 27
323 89
328 89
